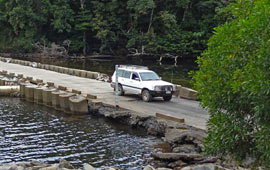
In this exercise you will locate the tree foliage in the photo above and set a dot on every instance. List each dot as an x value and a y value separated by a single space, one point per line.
151 26
234 84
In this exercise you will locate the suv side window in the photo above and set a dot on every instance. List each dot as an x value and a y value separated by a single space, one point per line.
126 74
120 73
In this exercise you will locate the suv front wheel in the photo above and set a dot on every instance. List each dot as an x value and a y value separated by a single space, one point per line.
146 96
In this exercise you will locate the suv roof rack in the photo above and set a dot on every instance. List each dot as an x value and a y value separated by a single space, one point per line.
133 67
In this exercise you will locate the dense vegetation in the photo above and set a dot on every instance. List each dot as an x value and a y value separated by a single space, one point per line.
234 83
176 27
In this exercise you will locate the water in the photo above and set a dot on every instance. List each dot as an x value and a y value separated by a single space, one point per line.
33 132
167 70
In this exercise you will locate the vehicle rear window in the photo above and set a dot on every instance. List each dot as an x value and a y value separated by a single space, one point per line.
126 74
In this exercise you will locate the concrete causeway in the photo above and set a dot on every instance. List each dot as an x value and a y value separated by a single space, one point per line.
189 110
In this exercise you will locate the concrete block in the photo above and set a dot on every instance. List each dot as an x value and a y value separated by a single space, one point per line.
22 90
83 73
11 74
60 70
71 71
8 90
90 96
39 81
90 75
42 66
177 90
38 98
46 67
47 96
62 88
78 105
168 117
76 91
29 93
64 101
20 75
77 72
56 99
4 72
2 82
29 78
188 93
56 69
66 70
50 84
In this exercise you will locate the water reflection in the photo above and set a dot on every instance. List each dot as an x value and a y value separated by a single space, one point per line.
33 132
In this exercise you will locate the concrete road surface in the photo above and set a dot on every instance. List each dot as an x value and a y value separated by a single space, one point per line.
190 110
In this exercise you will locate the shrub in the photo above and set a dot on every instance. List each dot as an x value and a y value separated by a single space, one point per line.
234 84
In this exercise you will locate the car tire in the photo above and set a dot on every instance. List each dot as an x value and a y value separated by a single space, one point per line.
167 98
146 96
120 90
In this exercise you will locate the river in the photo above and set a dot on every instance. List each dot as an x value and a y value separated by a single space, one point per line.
34 132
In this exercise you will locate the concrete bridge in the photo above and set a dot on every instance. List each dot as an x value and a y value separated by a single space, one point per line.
189 110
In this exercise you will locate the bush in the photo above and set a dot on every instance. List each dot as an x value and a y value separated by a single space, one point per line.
234 84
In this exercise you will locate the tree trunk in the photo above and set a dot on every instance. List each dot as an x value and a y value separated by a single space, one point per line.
151 20
84 43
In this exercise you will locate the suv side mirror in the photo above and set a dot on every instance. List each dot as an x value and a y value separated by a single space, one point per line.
137 79
160 78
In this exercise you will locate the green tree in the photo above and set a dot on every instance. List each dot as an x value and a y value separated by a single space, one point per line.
234 84
24 19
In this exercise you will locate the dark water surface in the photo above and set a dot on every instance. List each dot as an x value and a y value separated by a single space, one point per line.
34 132
177 74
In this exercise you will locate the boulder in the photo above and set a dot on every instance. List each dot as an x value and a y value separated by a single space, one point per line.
204 167
65 164
178 136
185 148
177 164
149 167
178 156
88 167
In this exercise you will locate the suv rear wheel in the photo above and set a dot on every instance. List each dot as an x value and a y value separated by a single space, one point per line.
146 96
120 90
167 98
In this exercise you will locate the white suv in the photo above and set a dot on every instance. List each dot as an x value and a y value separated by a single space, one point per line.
139 80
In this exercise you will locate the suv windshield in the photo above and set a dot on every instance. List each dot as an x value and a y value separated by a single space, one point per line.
149 76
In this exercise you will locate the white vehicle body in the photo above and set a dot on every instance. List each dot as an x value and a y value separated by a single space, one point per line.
141 81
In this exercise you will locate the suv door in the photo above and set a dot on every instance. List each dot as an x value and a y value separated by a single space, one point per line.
125 81
135 83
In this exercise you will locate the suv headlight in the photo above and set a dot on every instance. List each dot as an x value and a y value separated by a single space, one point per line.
158 88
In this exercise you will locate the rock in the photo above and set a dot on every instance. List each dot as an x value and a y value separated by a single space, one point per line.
177 164
185 148
88 167
65 164
37 163
49 168
149 167
11 167
164 169
204 167
177 156
178 136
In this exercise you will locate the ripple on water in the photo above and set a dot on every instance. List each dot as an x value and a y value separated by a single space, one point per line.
33 132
